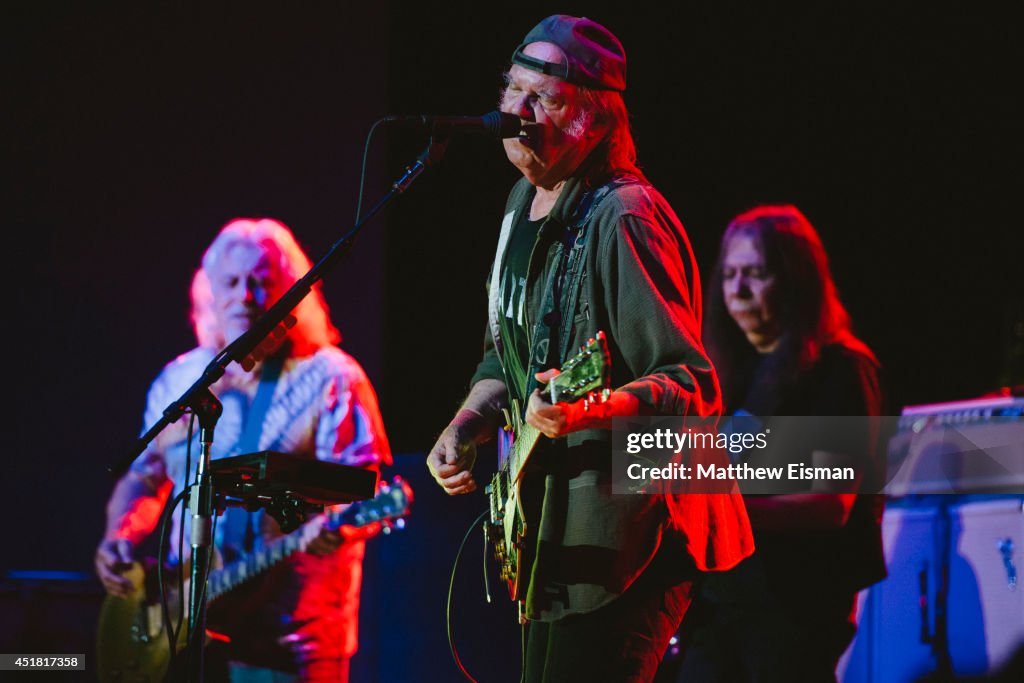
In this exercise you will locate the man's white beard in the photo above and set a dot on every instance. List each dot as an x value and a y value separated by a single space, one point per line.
579 125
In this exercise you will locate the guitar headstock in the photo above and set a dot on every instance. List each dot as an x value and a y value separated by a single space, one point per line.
587 375
389 506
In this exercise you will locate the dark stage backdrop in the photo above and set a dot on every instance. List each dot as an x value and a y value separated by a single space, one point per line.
892 126
135 134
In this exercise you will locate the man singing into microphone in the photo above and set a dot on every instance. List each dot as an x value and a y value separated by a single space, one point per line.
588 245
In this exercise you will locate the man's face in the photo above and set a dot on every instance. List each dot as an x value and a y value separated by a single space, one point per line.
750 291
558 131
245 281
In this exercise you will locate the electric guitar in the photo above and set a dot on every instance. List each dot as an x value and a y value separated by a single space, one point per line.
132 644
584 376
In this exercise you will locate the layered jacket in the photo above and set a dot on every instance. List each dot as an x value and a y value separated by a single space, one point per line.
623 266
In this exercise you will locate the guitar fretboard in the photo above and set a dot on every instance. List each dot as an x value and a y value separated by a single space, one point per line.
526 439
275 551
390 503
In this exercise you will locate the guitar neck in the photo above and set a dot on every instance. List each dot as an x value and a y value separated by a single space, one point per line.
250 564
585 376
526 439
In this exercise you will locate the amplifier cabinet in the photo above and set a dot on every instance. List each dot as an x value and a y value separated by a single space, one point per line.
981 542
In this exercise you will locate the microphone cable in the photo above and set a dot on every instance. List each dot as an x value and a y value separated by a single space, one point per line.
362 171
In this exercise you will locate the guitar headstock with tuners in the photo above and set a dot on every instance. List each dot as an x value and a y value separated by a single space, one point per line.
584 376
389 506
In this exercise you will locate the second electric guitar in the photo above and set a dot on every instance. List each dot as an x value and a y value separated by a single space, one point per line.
584 376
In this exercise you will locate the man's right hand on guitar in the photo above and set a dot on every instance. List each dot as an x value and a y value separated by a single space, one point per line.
113 558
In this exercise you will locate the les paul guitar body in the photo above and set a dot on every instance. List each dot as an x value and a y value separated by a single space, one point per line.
132 643
584 376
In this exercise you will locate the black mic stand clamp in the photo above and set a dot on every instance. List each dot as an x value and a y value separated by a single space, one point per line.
431 156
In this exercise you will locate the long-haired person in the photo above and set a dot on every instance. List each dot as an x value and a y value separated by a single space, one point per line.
308 398
782 344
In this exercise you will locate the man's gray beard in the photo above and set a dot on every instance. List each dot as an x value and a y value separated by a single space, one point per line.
579 125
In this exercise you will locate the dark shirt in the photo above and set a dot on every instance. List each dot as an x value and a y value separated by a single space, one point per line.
812 569
519 299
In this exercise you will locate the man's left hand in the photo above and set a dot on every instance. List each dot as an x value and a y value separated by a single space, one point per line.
554 420
565 418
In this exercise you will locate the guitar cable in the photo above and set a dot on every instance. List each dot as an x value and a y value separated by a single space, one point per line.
174 633
181 533
165 610
487 579
522 653
451 590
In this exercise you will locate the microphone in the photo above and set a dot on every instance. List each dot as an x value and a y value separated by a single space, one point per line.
495 124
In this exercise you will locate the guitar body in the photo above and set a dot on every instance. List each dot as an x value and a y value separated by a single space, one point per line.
142 653
140 649
507 531
514 524
583 377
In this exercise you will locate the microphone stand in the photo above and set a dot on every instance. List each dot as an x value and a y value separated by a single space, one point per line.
251 347
207 409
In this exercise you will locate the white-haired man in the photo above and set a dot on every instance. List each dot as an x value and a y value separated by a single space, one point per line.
309 398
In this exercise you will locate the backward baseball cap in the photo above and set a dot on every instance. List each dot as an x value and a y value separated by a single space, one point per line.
594 56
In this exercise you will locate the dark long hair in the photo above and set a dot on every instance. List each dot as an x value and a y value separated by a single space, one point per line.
809 311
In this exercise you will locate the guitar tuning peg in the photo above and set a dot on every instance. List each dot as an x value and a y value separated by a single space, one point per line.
605 394
386 529
586 404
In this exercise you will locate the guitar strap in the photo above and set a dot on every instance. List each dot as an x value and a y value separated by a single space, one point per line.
239 523
250 440
553 330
